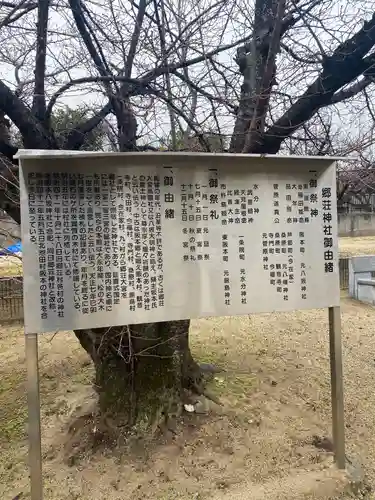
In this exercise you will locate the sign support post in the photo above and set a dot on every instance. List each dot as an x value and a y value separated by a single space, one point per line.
33 400
337 391
120 225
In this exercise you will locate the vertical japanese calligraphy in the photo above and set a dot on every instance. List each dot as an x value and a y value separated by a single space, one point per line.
278 259
227 288
301 202
100 233
327 229
117 243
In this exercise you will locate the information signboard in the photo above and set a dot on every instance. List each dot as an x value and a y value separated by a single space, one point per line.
112 239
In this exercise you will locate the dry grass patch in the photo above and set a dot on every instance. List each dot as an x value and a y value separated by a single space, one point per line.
350 247
276 397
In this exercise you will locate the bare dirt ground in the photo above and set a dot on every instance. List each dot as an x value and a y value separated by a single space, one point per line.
349 247
259 445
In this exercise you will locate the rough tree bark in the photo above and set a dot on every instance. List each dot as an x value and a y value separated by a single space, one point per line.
141 370
257 63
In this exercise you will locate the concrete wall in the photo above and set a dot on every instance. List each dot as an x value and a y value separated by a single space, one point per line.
360 224
361 282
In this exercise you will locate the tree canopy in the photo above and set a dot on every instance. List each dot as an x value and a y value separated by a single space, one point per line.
161 67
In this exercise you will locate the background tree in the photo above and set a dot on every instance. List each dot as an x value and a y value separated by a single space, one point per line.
268 75
63 121
182 141
66 119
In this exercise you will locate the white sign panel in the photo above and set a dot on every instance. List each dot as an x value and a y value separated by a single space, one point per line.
112 240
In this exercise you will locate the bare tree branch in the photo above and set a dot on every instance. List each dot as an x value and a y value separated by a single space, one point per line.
290 20
201 91
178 111
14 15
350 92
164 56
32 131
295 56
134 87
268 74
160 70
39 98
76 137
135 38
79 18
339 69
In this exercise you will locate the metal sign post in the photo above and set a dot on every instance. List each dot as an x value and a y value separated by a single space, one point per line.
33 400
337 390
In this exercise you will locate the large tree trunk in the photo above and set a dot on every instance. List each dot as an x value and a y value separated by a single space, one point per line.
257 63
141 370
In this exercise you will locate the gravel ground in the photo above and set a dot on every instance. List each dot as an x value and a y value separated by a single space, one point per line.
296 347
259 445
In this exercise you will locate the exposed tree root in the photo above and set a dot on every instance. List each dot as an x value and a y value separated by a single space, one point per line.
208 368
202 391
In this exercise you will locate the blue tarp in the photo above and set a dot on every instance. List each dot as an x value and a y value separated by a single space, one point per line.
16 248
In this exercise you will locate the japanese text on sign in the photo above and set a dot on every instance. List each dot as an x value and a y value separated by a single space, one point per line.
134 244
